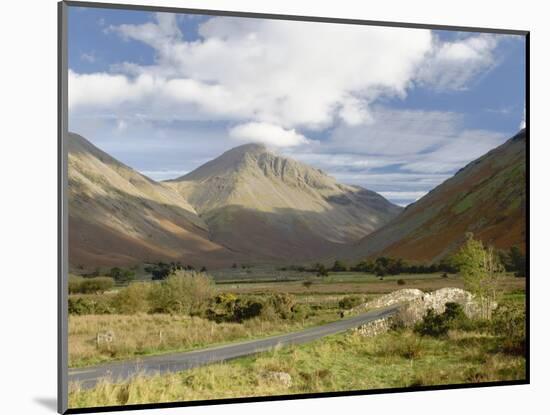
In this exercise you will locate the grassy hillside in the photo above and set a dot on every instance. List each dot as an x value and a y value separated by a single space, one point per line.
118 216
487 198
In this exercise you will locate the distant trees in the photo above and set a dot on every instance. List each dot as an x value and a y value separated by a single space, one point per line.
339 266
514 261
161 270
121 275
321 270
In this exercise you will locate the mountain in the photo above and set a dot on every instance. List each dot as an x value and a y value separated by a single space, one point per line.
275 208
487 198
119 217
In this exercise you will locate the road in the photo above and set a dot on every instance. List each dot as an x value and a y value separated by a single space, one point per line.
175 362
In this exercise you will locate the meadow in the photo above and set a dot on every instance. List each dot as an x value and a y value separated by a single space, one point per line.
343 362
299 303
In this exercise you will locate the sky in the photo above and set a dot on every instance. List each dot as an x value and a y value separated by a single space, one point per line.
394 110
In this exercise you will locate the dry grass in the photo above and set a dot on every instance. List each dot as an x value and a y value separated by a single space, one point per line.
144 334
341 362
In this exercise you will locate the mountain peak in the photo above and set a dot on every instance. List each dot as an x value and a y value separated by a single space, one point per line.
249 148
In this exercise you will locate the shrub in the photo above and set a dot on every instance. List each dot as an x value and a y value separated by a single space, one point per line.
82 306
121 276
438 325
339 266
74 284
349 302
300 311
132 299
509 323
95 285
282 304
161 271
245 310
435 325
400 282
186 292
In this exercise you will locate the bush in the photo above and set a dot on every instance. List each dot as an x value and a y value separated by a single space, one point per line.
438 325
339 266
82 306
162 271
132 299
186 292
282 304
122 276
96 285
245 310
400 282
74 284
349 302
300 311
509 323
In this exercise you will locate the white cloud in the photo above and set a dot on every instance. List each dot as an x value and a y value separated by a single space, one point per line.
280 82
269 134
105 90
451 65
291 74
396 132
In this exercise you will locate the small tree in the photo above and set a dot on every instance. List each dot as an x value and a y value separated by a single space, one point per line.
322 271
121 276
481 270
339 266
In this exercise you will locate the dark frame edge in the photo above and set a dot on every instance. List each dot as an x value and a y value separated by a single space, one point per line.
62 217
321 19
226 401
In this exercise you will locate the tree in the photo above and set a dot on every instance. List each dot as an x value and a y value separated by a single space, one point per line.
339 266
186 292
514 261
121 276
481 270
161 271
321 271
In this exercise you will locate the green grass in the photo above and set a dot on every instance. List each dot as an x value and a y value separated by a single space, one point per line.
336 363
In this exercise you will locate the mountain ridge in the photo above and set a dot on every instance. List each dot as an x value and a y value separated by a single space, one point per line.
486 197
248 204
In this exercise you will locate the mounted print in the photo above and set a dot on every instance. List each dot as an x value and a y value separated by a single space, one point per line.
258 207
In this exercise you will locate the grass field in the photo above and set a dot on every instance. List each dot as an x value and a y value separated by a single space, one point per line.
148 334
341 362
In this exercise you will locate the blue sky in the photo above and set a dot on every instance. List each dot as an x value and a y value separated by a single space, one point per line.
394 110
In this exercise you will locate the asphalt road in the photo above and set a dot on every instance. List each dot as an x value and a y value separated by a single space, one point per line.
175 362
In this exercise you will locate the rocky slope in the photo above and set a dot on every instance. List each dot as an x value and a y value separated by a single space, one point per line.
275 208
248 205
